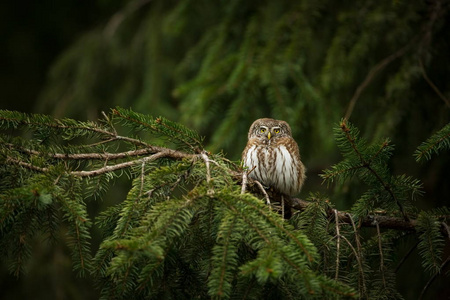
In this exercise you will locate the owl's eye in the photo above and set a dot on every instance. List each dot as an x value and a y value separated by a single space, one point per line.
277 130
262 130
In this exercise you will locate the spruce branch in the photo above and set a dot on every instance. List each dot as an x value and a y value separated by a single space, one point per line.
69 127
387 222
434 144
435 275
367 164
282 228
189 139
269 240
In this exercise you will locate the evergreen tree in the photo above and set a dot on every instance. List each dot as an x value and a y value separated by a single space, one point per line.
194 226
215 67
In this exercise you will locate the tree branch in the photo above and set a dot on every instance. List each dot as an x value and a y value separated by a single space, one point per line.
387 222
372 221
90 156
160 153
56 124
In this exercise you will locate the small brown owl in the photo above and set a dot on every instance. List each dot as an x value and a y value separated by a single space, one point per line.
273 156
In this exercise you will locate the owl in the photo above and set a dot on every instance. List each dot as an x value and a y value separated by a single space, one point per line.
272 156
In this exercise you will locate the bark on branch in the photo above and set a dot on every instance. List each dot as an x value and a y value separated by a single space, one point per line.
156 153
383 221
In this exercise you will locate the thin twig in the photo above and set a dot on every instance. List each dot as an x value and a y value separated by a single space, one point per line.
108 119
204 156
435 275
263 190
142 178
381 254
358 260
447 229
252 169
359 255
338 242
26 165
244 182
112 168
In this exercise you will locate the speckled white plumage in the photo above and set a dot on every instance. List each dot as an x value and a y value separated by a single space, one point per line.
273 158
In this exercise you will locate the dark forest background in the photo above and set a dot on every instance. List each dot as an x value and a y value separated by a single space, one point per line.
216 66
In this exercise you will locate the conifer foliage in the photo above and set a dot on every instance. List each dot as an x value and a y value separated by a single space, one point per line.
192 224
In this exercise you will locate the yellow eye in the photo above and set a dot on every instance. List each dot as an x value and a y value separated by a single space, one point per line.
276 130
262 130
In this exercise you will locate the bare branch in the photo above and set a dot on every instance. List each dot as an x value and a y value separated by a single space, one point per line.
25 165
359 255
244 182
338 243
380 247
91 156
261 188
204 156
141 189
163 153
116 167
358 260
166 153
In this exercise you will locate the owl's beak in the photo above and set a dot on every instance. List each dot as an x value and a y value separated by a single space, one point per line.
268 135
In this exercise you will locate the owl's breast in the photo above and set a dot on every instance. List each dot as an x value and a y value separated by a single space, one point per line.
274 167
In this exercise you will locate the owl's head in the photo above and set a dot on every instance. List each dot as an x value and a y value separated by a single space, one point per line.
269 129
